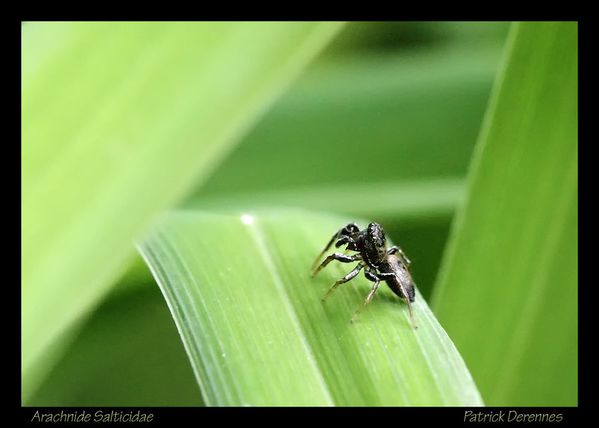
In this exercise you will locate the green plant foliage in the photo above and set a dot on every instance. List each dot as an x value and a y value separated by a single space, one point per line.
119 121
511 267
257 333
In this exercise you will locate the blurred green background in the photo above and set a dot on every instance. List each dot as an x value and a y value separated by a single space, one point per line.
381 125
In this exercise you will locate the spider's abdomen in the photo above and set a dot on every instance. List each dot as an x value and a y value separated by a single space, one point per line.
401 279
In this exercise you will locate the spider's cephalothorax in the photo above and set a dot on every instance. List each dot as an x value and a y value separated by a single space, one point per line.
379 263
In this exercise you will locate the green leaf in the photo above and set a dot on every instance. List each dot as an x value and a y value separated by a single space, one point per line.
256 332
119 121
508 290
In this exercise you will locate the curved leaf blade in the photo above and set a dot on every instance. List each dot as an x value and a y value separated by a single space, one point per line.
511 266
257 333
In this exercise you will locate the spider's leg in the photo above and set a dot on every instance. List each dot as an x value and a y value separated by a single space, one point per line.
405 293
351 275
345 240
344 232
339 257
335 236
374 278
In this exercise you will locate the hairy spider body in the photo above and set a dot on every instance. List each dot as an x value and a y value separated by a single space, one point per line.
379 263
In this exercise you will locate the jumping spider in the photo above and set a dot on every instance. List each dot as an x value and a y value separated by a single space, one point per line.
379 263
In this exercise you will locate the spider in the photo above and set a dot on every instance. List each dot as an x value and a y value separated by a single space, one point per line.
379 263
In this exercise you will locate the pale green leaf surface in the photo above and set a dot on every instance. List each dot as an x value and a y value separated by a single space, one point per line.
119 120
257 333
512 265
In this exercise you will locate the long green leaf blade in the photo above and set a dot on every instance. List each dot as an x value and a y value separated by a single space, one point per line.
119 121
257 333
508 290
